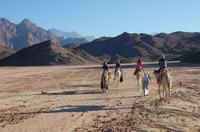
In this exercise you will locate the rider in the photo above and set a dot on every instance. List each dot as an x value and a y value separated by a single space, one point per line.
105 70
162 65
118 65
105 67
138 66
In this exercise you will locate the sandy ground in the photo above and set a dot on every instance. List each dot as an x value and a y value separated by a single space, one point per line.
62 99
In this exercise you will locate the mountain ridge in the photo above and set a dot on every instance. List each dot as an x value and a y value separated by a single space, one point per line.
27 33
145 46
48 53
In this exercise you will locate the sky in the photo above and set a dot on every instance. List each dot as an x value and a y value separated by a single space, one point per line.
106 17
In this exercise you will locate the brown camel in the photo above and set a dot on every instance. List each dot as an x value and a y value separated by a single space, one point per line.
139 76
164 82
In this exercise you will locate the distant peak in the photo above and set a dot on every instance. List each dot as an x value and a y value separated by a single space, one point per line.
26 21
125 34
4 20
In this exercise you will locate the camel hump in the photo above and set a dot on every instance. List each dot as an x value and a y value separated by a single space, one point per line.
166 70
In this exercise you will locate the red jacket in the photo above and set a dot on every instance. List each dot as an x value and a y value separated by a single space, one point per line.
139 65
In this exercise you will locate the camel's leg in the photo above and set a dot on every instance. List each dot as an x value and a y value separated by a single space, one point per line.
159 92
166 93
163 91
169 91
138 85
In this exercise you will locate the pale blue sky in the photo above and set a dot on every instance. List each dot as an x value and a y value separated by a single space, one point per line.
106 17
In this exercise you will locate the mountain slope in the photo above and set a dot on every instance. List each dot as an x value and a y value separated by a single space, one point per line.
45 53
145 46
7 32
125 45
23 34
27 33
192 58
5 52
82 54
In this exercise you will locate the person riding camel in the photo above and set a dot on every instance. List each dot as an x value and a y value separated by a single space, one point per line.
118 66
139 66
162 65
104 81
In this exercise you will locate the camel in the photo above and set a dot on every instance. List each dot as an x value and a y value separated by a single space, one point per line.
139 75
164 82
110 77
105 80
118 75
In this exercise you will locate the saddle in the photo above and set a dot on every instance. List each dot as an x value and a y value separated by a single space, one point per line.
137 70
162 72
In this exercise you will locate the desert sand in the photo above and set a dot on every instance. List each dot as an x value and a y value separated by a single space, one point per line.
67 98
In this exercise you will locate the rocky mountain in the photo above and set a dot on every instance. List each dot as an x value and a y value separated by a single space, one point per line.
7 32
125 45
48 53
23 34
145 46
27 33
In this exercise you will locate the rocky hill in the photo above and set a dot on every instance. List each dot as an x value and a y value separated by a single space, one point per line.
147 47
5 52
48 53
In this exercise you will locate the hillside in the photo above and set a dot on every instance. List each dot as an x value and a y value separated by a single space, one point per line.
192 58
48 53
5 52
147 47
125 45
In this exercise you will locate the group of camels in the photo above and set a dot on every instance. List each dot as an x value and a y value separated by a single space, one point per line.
164 81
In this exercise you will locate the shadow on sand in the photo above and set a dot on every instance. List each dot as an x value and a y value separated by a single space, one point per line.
85 86
115 98
74 92
76 108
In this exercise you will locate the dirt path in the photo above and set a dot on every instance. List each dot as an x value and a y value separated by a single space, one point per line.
59 98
